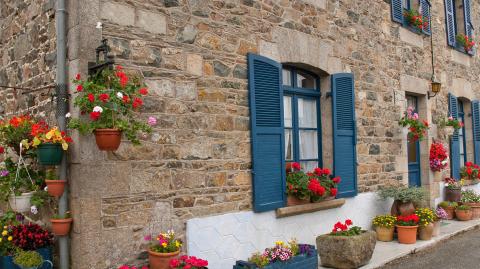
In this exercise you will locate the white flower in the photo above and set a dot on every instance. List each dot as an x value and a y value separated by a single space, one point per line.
68 115
98 109
46 188
119 95
34 210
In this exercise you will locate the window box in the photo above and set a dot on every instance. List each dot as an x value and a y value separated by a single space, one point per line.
309 208
297 262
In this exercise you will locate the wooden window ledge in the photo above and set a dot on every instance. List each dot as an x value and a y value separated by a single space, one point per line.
308 208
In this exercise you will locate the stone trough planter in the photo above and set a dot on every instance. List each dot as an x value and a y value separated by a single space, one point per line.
346 252
297 262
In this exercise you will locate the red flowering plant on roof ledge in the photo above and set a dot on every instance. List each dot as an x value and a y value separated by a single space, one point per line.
110 100
313 186
417 129
191 262
438 157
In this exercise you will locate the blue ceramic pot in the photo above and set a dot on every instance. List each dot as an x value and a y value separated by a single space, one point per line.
6 262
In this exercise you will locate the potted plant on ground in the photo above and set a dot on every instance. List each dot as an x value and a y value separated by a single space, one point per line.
417 129
55 186
345 246
61 224
164 248
282 256
466 42
49 142
470 173
426 222
463 212
407 229
472 199
32 237
384 227
191 262
449 208
111 99
440 215
453 189
438 160
405 199
29 260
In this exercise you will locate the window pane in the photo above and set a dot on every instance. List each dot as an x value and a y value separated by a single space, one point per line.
412 102
405 4
307 113
459 16
305 80
287 111
308 144
287 77
309 166
288 145
412 152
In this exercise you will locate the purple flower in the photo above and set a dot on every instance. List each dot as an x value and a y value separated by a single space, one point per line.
148 238
4 173
152 121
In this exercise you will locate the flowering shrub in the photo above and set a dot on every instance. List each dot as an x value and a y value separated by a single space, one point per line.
110 99
342 229
417 129
440 213
451 122
410 220
415 20
387 221
465 41
438 157
190 262
452 184
316 185
165 242
281 252
425 215
15 131
470 171
31 237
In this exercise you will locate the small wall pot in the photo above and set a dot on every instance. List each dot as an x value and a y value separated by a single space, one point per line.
384 234
475 209
161 260
55 187
402 209
453 195
292 201
463 215
61 227
49 154
108 139
436 228
346 252
407 234
426 232
450 212
20 203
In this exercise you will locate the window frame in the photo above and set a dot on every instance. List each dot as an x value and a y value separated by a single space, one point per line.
404 22
461 116
295 93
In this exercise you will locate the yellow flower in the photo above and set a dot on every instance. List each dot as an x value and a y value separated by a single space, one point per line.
4 232
164 244
10 238
279 243
177 244
1 239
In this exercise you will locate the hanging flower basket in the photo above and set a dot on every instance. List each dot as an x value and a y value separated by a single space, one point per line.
49 154
108 139
20 203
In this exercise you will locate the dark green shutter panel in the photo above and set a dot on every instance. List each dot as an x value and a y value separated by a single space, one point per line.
344 133
397 11
425 6
450 21
476 130
267 132
454 140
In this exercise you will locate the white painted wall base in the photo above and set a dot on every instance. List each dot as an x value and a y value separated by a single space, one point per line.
226 238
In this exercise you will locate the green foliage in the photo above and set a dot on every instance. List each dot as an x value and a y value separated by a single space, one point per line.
463 207
28 259
51 174
67 215
416 195
297 185
39 198
446 204
426 216
470 196
259 260
9 185
355 230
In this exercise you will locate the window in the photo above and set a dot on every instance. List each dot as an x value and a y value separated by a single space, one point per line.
411 4
459 15
422 6
458 21
462 135
301 102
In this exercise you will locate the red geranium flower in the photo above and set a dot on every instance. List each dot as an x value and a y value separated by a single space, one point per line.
348 222
2 150
103 97
79 88
91 98
336 180
333 192
125 99
296 166
137 102
143 91
77 77
95 115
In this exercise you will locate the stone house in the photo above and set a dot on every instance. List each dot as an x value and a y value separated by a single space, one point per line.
324 83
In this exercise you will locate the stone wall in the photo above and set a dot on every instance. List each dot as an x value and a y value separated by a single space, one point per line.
27 56
191 54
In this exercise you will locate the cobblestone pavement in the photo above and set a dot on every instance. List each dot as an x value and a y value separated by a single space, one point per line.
459 252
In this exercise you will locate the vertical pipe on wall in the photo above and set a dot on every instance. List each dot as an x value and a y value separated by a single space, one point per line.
62 109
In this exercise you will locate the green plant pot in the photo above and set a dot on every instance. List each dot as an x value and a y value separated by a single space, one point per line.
49 154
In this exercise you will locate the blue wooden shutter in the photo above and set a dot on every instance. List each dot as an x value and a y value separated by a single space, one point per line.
454 140
450 21
476 130
266 117
397 11
425 6
468 21
344 133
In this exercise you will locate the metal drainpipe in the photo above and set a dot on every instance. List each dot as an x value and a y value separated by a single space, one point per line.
62 109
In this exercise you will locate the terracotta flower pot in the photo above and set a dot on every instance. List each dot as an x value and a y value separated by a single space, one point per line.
475 209
407 234
453 195
426 232
61 227
463 215
55 187
436 228
402 209
161 260
108 139
450 212
292 201
384 234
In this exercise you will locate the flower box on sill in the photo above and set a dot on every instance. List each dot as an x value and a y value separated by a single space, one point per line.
297 262
308 208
